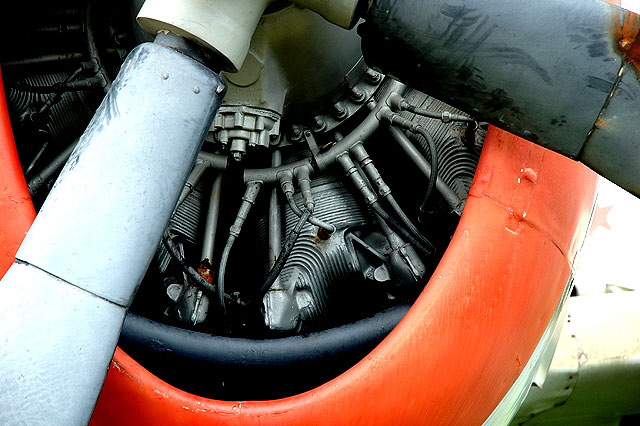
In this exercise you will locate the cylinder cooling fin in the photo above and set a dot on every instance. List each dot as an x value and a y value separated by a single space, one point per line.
286 234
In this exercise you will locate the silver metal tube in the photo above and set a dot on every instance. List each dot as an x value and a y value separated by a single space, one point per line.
275 218
64 299
365 129
194 177
280 312
215 161
451 198
286 182
211 224
361 155
304 183
358 180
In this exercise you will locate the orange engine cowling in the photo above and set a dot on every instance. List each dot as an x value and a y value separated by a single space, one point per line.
466 340
461 347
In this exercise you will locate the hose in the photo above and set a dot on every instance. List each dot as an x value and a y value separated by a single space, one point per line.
395 119
398 103
192 273
316 353
371 199
41 178
401 230
405 219
374 176
248 199
325 159
445 116
433 153
224 259
286 184
285 251
312 219
448 194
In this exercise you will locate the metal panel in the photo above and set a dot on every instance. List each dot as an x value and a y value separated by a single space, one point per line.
104 217
543 70
594 378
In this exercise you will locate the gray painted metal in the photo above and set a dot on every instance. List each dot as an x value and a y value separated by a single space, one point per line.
452 199
325 159
561 73
594 378
211 224
508 407
302 292
151 124
57 342
64 300
280 310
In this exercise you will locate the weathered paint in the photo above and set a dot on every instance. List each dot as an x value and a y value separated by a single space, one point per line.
463 343
548 71
468 336
626 31
16 208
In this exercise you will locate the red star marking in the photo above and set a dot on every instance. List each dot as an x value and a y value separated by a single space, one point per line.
600 218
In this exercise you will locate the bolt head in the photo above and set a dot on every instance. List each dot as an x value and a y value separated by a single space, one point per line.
339 111
357 95
372 76
319 124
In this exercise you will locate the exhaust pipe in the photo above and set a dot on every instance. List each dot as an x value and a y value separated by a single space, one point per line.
560 73
64 299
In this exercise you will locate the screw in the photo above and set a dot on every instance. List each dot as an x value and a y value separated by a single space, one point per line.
219 89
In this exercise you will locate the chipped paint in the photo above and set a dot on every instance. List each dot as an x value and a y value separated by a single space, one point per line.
601 123
204 269
115 365
626 37
162 394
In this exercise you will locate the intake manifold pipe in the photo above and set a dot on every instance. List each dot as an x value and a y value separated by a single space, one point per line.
64 299
561 73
